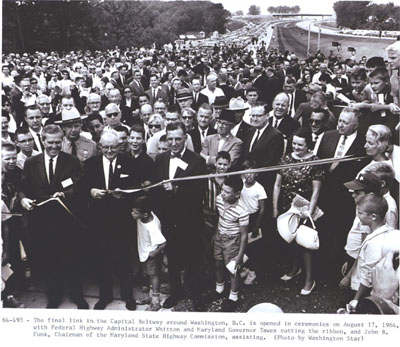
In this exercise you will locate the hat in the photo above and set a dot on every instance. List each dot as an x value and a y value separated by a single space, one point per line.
220 102
237 104
70 116
365 181
227 115
183 94
258 68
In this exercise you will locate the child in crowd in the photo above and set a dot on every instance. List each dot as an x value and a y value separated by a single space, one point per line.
231 238
163 145
151 243
253 196
222 165
362 93
371 210
364 184
25 143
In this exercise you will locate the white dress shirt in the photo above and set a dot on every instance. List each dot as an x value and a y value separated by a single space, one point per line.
36 139
47 164
261 131
106 167
349 141
174 164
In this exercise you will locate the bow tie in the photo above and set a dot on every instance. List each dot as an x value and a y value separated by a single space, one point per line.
177 155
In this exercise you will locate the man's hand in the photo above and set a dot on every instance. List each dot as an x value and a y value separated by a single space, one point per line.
275 213
394 108
98 193
344 268
168 186
27 204
59 195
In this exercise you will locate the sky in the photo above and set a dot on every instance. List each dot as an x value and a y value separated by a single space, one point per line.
309 6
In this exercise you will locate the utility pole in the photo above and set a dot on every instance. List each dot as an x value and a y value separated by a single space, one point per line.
319 35
309 39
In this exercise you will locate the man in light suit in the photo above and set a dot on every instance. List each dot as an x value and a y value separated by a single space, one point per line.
180 212
222 141
155 92
56 238
109 220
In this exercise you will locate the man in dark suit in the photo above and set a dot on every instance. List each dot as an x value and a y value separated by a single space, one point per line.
223 84
279 117
261 83
335 200
204 128
198 98
180 211
238 106
56 238
296 97
264 144
109 218
121 80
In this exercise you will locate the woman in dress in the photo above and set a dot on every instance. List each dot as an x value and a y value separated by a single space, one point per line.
306 182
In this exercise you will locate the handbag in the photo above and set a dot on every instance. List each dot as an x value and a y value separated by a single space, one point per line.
307 237
287 224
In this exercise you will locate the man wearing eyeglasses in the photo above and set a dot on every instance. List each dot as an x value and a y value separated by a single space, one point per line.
222 141
110 225
25 143
43 102
113 116
318 121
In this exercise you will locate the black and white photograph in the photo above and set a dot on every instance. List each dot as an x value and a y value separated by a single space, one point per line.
191 157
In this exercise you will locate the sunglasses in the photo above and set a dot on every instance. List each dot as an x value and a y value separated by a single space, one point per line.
315 121
157 126
187 117
115 114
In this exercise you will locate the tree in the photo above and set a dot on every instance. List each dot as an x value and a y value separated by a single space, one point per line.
239 13
254 10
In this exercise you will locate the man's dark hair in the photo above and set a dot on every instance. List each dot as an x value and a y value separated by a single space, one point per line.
176 126
380 72
94 116
120 128
138 128
374 62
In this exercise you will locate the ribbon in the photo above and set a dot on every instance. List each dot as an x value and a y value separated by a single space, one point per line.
241 172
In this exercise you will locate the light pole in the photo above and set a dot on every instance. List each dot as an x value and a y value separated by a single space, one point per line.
309 39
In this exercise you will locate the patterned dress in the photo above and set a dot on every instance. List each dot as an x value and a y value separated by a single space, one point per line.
297 180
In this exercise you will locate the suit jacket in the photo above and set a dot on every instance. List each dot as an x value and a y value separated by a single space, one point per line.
108 214
299 98
50 222
287 126
183 206
160 94
346 171
266 152
242 131
196 138
126 111
228 91
202 99
232 144
137 89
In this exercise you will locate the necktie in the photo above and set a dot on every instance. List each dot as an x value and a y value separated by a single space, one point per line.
154 95
40 141
51 171
177 155
203 133
339 153
196 97
256 140
73 149
110 175
276 123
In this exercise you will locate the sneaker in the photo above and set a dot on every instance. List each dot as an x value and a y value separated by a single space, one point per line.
229 306
250 278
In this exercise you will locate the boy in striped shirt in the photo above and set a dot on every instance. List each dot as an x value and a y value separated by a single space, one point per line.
231 238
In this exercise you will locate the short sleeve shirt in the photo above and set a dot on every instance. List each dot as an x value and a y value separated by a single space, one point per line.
231 217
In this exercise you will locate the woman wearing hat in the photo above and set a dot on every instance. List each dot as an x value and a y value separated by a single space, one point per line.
306 182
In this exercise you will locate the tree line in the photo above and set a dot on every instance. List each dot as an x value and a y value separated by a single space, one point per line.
66 25
283 9
367 15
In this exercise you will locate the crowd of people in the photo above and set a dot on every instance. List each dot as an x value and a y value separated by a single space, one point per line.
86 135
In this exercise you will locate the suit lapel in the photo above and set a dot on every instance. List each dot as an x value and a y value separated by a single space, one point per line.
186 158
58 169
42 170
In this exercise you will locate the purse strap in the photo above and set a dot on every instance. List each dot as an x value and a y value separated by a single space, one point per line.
311 220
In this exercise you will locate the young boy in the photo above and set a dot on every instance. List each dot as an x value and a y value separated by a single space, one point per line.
222 165
163 145
362 185
253 196
231 238
25 143
151 243
362 93
371 210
